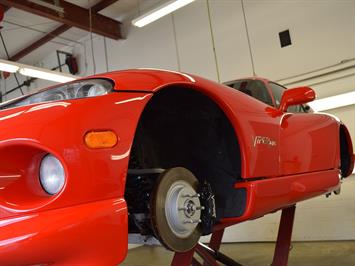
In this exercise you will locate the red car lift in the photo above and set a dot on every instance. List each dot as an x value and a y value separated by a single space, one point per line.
211 254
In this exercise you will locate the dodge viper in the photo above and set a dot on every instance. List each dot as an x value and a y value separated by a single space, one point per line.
156 153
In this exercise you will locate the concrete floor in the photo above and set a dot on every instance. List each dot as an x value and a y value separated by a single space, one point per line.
333 253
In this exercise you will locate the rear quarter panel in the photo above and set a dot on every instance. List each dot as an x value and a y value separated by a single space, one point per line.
309 143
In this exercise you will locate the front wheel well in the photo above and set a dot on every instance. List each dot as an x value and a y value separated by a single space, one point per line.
182 127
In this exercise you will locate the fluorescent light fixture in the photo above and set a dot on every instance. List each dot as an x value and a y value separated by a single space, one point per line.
46 74
333 102
35 72
160 11
8 68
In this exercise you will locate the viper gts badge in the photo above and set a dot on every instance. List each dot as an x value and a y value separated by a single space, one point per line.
264 140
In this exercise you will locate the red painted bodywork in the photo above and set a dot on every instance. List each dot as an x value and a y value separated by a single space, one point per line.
87 221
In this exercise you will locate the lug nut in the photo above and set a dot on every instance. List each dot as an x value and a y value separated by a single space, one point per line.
191 221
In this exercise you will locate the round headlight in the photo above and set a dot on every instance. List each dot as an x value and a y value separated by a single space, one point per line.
51 174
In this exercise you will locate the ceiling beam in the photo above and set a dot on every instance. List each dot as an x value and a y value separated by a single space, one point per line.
5 8
73 16
59 30
48 37
101 5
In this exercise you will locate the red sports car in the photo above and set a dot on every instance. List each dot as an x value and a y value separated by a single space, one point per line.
158 153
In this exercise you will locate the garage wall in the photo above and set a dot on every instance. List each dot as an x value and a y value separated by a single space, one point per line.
323 35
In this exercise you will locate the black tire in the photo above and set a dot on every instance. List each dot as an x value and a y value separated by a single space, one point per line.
159 220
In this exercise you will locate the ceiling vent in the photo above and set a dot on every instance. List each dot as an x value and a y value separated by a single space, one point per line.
285 38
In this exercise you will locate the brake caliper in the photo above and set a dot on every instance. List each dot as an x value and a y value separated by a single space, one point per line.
208 213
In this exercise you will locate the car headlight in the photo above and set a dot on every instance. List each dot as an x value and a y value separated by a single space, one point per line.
51 174
75 90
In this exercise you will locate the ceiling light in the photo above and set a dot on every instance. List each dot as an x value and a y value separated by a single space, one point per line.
35 72
8 68
333 102
160 11
46 74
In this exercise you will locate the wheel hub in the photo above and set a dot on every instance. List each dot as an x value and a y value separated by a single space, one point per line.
182 209
189 208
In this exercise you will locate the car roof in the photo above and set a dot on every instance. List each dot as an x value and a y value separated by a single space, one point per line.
247 78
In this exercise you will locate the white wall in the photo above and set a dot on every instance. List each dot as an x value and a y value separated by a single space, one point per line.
323 34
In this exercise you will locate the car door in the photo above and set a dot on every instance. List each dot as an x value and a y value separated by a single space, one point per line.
307 140
263 128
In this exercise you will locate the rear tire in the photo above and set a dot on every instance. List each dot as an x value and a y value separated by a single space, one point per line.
176 209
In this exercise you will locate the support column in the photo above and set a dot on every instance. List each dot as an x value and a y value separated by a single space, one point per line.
183 258
282 248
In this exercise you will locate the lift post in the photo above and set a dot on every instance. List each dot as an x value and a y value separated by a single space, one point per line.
211 254
283 243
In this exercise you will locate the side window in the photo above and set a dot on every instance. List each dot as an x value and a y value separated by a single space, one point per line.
237 84
277 91
254 88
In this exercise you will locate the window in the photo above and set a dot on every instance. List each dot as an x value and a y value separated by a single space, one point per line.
254 88
277 91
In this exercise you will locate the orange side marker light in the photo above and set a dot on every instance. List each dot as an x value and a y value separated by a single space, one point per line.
100 139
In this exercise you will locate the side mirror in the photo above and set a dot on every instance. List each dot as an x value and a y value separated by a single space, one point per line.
296 96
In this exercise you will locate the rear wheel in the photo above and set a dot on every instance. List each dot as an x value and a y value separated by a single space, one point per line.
176 209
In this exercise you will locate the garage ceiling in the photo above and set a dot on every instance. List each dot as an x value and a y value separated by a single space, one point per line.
21 29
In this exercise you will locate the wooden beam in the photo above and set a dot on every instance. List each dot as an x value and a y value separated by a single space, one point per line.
74 16
102 5
39 42
5 8
49 36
